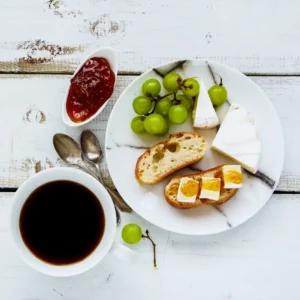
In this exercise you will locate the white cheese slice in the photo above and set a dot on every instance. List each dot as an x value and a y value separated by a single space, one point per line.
188 190
204 114
232 176
210 188
237 138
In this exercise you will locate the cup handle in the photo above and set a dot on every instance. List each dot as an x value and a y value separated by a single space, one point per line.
124 253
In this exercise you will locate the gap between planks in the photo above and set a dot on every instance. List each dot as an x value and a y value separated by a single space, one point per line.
13 190
130 73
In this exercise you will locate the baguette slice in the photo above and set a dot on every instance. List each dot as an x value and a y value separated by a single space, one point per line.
163 159
172 188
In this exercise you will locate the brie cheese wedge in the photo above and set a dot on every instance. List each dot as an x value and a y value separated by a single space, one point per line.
237 139
204 114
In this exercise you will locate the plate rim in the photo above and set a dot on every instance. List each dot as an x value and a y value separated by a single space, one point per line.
280 134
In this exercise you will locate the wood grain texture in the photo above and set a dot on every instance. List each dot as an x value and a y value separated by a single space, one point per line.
248 256
30 119
250 36
31 115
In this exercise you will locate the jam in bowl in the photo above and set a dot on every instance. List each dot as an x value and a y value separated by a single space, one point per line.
90 87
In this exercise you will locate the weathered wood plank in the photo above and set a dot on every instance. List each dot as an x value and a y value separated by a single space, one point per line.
244 35
188 267
284 93
31 114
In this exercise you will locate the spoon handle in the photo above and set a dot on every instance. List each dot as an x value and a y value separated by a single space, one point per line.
89 171
117 198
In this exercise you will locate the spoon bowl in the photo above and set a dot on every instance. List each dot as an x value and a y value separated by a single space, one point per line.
67 149
111 55
91 147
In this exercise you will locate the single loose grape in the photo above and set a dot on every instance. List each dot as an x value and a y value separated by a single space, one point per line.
151 88
171 82
178 114
131 233
156 124
137 124
163 106
190 87
186 101
141 105
217 94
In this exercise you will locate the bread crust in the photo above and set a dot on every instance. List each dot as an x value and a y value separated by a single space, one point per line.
172 188
173 170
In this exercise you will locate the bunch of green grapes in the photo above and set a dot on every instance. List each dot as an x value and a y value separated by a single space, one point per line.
156 112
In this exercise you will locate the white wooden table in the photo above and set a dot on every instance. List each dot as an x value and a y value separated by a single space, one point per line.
41 42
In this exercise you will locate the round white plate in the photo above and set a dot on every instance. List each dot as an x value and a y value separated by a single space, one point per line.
123 148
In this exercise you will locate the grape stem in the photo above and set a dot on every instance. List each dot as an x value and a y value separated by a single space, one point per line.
175 101
153 109
147 236
155 100
166 95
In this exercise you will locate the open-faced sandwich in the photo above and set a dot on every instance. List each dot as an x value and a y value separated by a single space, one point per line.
214 186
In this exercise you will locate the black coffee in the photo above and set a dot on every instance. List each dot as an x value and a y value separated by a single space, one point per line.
62 222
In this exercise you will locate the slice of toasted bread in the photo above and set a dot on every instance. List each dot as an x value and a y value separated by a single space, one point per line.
163 159
172 188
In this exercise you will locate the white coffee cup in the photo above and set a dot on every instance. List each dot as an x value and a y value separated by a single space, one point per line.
107 242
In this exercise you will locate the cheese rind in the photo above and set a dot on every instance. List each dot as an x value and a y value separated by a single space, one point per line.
204 114
237 138
210 188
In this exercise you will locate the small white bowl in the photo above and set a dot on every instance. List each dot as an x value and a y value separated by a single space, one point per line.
111 55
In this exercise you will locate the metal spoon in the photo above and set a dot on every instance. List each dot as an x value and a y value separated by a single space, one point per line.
69 151
92 152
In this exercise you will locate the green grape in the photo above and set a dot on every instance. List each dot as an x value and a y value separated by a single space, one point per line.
168 126
141 105
163 106
186 101
131 233
178 114
156 124
171 82
151 87
190 87
217 94
137 124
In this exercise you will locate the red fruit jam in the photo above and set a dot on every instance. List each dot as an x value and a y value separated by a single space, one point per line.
90 88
